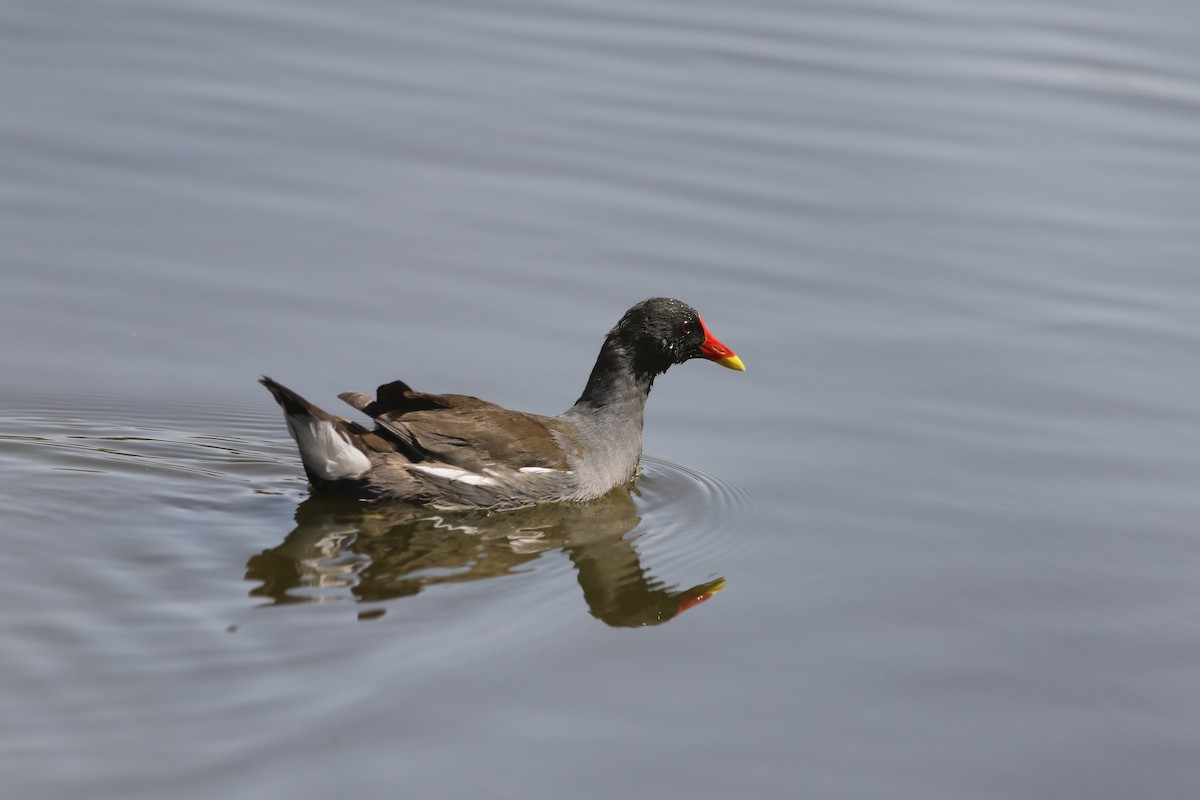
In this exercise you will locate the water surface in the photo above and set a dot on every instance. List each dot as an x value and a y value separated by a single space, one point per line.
939 541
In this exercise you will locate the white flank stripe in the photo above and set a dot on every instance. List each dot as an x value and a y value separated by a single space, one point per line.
536 469
456 474
326 451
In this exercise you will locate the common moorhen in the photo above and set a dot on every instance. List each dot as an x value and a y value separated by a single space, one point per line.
451 451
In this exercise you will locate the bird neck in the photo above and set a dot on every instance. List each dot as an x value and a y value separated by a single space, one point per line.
618 384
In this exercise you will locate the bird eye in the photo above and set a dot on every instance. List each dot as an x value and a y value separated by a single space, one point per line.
686 327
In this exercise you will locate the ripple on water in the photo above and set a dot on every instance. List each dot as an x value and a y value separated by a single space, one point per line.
181 445
638 557
694 518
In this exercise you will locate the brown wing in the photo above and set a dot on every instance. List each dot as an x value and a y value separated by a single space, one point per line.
477 437
463 431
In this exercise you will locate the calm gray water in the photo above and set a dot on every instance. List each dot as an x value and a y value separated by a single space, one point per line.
952 503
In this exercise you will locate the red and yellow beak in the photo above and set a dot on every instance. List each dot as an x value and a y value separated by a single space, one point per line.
713 350
698 594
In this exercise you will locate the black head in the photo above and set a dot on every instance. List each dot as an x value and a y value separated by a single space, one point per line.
661 331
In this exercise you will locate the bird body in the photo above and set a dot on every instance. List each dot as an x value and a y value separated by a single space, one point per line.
455 451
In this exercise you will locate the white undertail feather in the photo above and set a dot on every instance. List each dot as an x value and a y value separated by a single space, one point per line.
326 451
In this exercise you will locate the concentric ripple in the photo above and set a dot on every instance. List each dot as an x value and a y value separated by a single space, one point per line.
692 520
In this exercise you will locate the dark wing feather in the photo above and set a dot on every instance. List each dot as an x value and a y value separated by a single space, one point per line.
398 397
479 436
461 430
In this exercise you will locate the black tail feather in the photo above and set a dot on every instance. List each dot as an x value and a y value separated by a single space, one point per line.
292 403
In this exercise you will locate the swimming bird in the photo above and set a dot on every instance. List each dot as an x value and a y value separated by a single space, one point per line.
450 451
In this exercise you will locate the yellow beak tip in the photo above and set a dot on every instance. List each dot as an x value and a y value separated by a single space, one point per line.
732 362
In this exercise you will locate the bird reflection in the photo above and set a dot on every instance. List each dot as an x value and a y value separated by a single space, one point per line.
378 552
